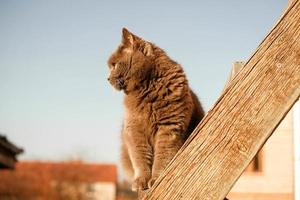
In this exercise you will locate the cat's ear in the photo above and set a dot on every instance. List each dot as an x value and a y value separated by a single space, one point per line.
147 49
127 38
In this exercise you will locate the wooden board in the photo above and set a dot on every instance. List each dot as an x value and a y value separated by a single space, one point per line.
221 147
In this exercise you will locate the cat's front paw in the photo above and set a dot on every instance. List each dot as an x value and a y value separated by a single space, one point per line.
140 183
152 181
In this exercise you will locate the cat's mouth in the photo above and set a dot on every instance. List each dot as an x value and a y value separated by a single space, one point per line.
121 83
118 83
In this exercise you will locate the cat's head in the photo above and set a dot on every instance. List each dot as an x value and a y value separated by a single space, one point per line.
131 63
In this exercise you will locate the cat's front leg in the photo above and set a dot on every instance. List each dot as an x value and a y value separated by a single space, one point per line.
141 156
167 143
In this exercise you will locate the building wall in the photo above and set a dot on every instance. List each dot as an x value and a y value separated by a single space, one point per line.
296 127
276 179
104 191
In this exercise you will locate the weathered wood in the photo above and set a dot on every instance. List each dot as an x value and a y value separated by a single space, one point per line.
290 2
247 113
236 67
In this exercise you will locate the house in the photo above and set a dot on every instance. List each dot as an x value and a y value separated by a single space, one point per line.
8 153
59 180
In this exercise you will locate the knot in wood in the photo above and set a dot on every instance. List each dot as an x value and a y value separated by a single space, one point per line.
241 147
279 65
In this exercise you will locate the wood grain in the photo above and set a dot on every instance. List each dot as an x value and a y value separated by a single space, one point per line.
290 2
244 117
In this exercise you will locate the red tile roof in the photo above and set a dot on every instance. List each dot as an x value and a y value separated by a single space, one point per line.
36 177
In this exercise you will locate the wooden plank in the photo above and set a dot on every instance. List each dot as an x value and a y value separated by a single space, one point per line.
236 67
290 2
247 113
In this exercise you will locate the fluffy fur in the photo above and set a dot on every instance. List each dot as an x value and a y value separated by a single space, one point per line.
161 110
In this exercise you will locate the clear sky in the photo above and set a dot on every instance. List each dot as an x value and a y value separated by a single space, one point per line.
55 100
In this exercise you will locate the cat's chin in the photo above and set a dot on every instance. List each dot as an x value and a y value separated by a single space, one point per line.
120 87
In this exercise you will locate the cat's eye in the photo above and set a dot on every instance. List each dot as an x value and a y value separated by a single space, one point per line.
113 65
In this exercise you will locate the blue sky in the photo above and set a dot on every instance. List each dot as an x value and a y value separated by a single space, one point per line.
55 99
